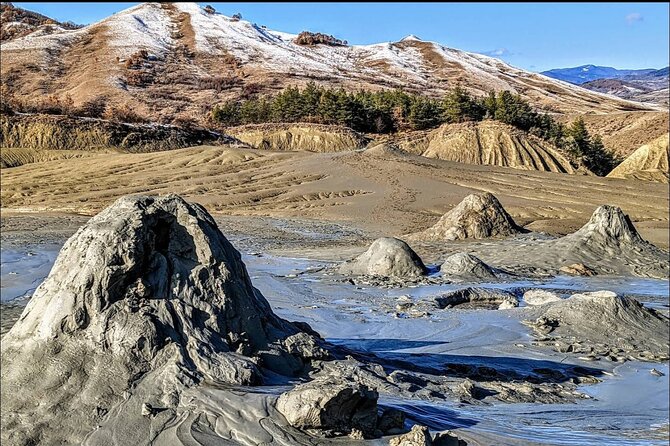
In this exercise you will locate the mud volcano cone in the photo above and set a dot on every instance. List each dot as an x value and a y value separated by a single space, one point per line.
478 216
610 238
386 257
149 286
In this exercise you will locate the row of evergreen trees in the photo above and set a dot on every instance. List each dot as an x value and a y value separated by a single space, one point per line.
390 111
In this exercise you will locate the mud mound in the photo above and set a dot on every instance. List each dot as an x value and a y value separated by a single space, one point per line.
604 324
610 243
147 299
299 137
386 257
478 216
466 266
495 144
649 162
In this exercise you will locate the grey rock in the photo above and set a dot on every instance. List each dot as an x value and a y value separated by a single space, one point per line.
417 436
330 404
391 421
473 297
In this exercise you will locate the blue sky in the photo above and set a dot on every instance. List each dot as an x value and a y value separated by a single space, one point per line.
536 36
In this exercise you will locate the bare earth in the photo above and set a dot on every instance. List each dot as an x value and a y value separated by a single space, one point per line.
382 191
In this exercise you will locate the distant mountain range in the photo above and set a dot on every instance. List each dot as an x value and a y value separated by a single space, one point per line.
645 85
587 73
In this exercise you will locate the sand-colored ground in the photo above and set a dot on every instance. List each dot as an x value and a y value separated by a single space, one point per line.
380 190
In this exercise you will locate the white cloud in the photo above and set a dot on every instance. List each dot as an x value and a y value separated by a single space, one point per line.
634 17
498 52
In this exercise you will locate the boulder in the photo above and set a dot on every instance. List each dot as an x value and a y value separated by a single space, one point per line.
417 436
466 266
387 257
478 216
330 405
577 269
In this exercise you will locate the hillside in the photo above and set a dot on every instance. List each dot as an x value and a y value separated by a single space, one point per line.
488 143
649 162
651 87
64 133
623 133
174 61
17 22
586 73
634 91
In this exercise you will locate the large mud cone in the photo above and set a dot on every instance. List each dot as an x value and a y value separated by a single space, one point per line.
609 237
386 257
478 216
604 323
148 286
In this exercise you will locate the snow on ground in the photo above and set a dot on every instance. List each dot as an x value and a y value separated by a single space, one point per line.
150 26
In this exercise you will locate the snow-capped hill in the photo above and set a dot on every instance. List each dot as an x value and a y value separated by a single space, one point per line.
203 57
146 26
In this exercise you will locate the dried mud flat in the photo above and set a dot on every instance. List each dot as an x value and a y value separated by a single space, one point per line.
386 193
481 373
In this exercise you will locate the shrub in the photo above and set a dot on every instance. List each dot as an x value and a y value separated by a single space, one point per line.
123 113
137 59
92 108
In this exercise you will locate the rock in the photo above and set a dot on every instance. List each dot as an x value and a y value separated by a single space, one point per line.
148 288
605 324
356 434
508 305
386 257
306 346
577 269
473 297
447 439
467 389
330 404
417 436
540 297
478 216
148 410
391 421
466 266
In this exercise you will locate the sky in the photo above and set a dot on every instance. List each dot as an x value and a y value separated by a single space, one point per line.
533 36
